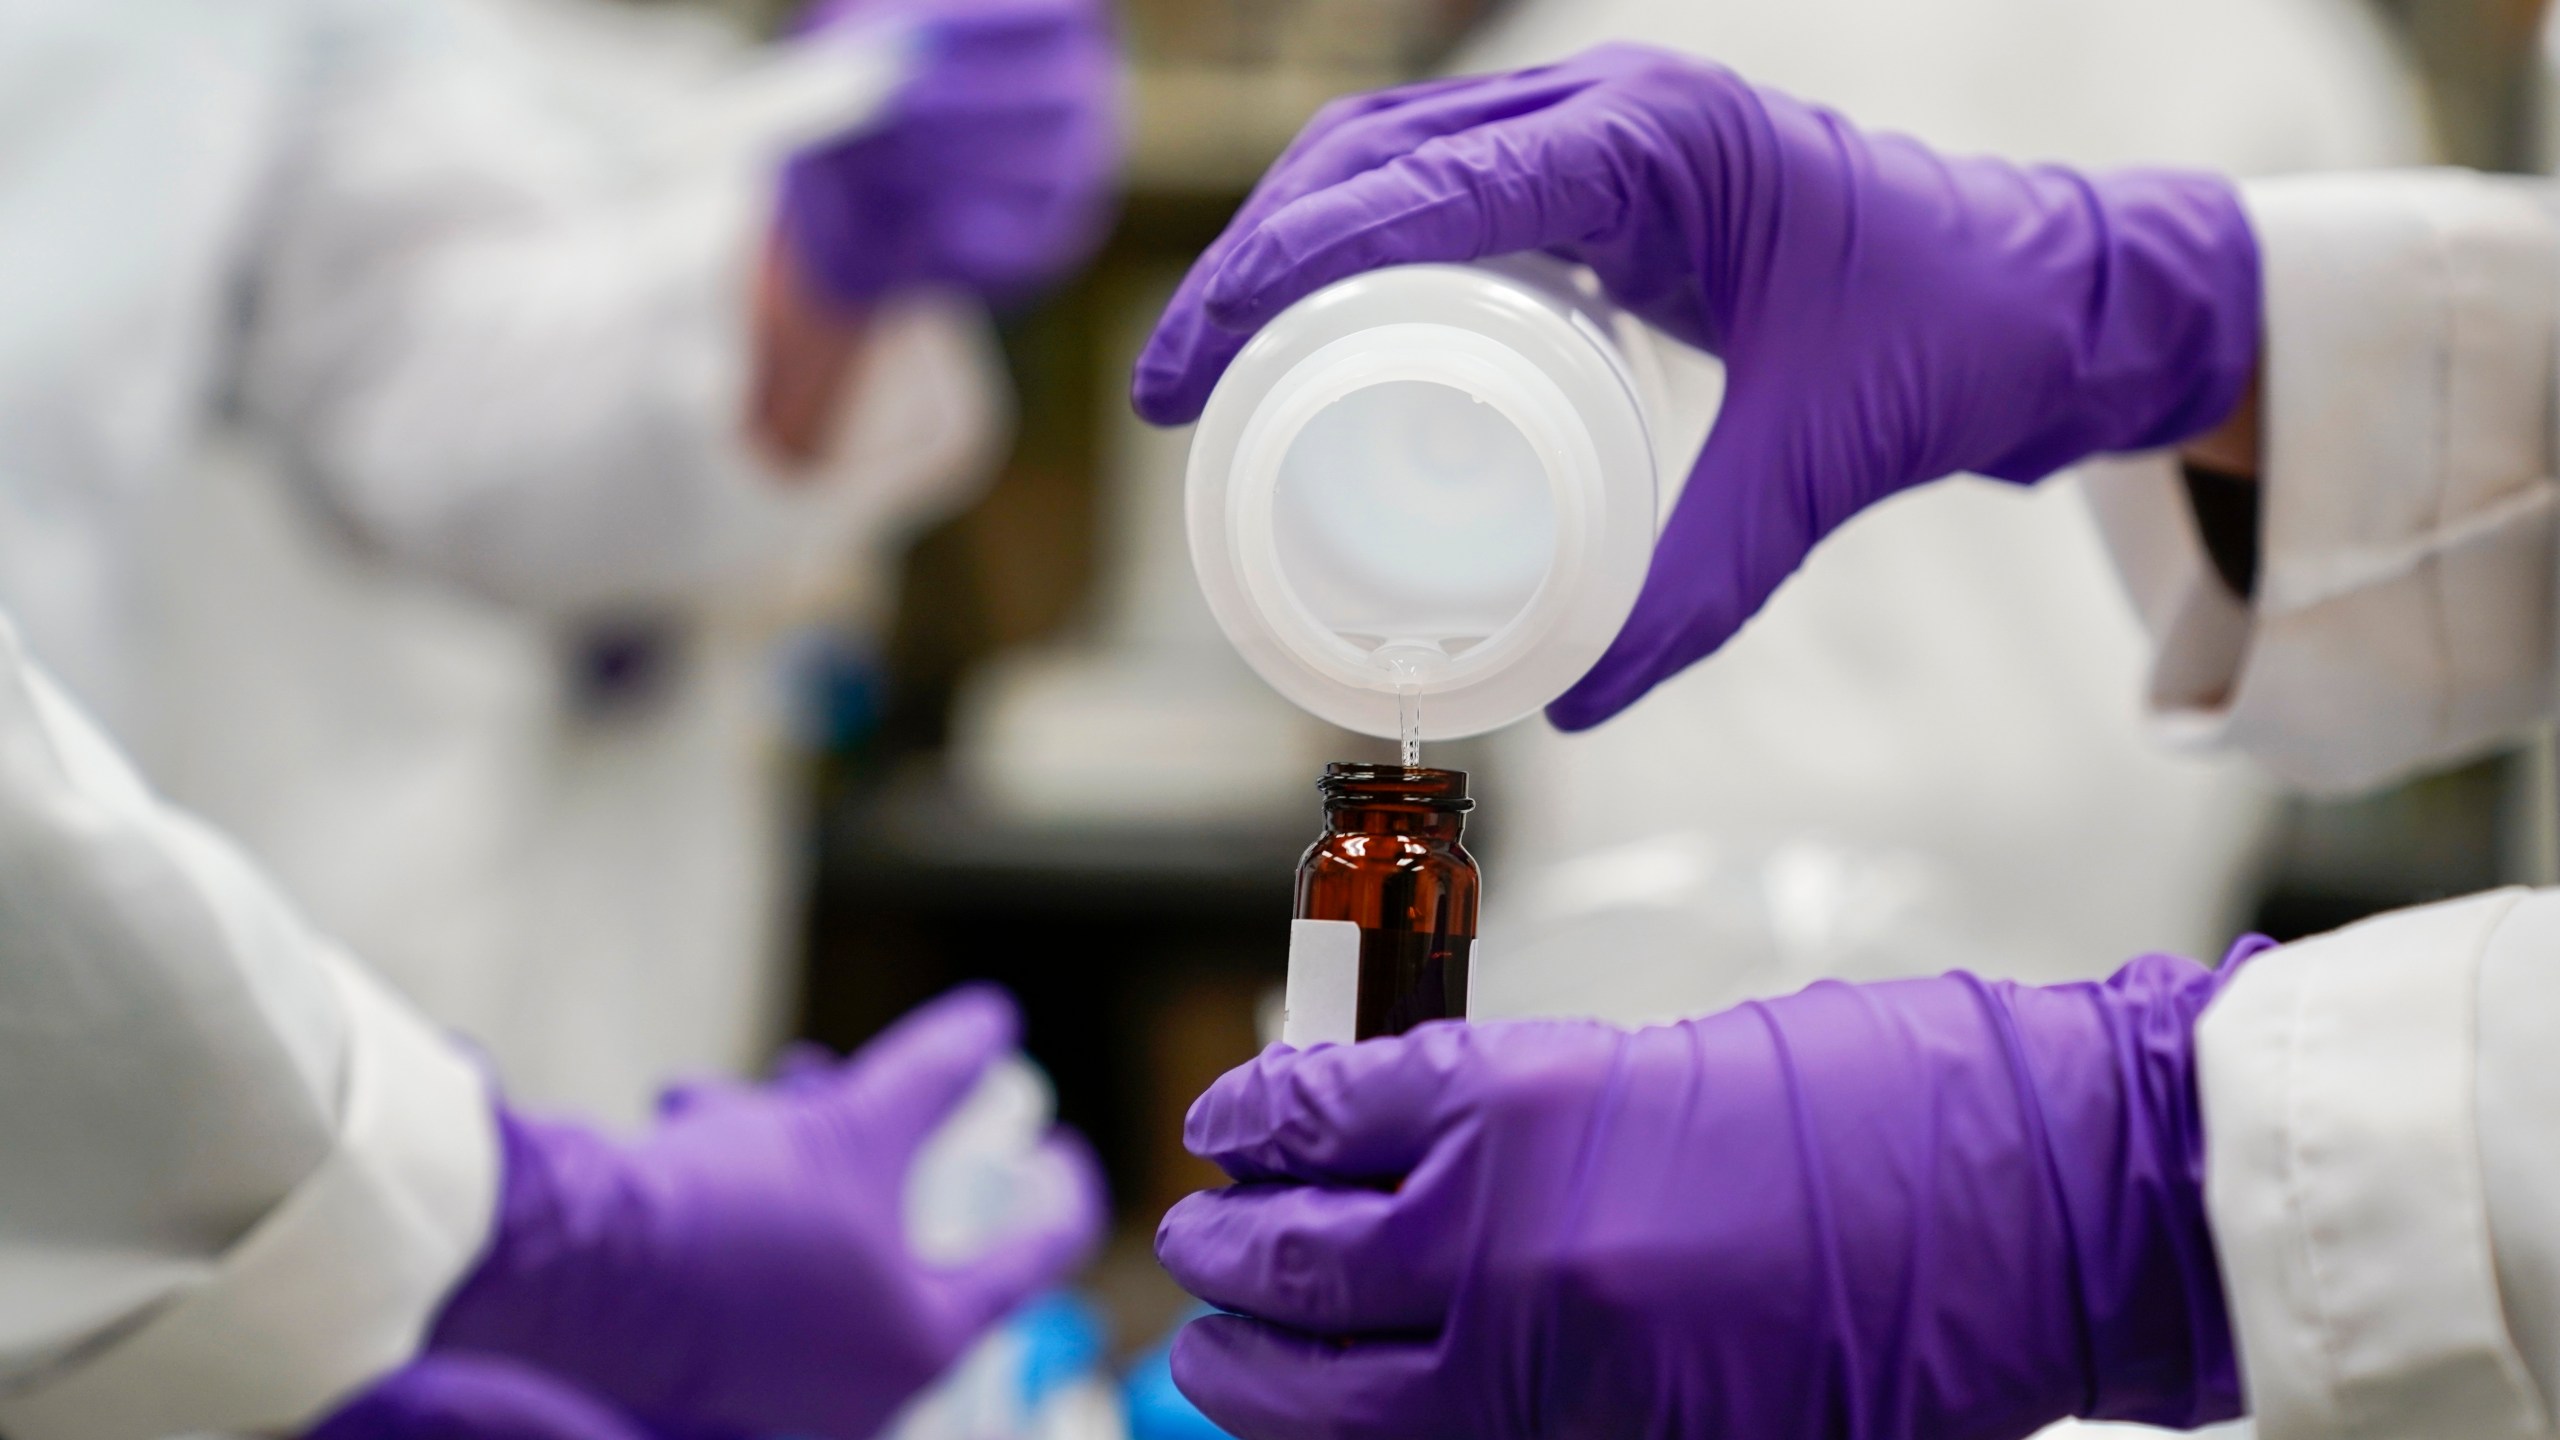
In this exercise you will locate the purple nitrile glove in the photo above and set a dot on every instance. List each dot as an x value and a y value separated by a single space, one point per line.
992 169
745 1265
1887 315
476 1397
1946 1208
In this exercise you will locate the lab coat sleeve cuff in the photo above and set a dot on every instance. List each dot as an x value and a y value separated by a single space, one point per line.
2345 1187
2403 614
333 1288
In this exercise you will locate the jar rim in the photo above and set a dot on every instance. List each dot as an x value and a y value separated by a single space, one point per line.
1355 783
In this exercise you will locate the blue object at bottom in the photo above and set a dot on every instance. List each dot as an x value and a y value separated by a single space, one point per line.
1158 1411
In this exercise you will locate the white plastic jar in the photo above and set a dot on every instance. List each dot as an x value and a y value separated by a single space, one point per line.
1430 478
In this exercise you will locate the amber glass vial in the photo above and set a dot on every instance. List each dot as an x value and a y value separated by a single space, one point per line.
1390 861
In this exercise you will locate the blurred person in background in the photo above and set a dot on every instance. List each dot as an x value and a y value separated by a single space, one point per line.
569 368
418 420
1922 754
245 1180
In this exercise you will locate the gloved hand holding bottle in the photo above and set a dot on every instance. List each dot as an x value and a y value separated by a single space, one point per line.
1887 315
746 1265
1945 1207
991 171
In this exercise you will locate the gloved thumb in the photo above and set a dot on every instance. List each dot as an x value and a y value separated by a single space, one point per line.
905 1083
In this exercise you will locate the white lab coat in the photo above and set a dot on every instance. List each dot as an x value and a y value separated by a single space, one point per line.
479 322
1922 753
240 1175
2381 1106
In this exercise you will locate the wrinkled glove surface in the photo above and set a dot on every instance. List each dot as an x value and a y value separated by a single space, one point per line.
745 1265
1947 1208
1887 315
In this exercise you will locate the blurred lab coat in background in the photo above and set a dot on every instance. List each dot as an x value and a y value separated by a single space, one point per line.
1925 753
461 620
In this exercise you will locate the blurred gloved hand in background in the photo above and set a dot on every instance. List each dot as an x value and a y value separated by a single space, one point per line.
1940 1207
992 170
1887 315
746 1265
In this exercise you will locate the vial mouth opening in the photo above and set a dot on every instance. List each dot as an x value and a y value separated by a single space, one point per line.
1415 510
1360 782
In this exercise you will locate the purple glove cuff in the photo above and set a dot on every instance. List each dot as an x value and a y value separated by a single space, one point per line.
2157 1327
563 1259
2162 343
474 1315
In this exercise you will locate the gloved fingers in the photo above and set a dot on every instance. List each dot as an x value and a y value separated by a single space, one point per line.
1339 1113
1349 137
1323 1259
1491 190
1184 356
1022 1265
1357 134
1343 111
907 1082
1273 1384
472 1397
1741 527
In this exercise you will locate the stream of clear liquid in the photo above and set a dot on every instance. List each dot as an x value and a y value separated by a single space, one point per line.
1409 723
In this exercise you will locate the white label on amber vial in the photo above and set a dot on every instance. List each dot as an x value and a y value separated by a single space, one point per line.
1323 1000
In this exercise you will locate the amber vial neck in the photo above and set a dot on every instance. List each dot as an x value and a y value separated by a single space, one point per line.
1370 799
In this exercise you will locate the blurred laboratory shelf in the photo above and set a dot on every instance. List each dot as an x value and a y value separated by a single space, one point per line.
2337 860
921 839
1220 87
1213 129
